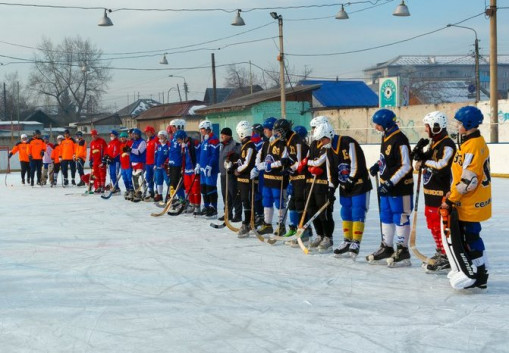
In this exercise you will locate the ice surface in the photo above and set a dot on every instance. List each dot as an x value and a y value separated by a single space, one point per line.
83 274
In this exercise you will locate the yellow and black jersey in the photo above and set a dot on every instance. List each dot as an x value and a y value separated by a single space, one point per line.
471 179
352 163
395 163
269 160
247 161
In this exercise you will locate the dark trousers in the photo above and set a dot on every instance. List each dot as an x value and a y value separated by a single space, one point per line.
79 164
245 197
66 164
234 202
324 224
35 167
25 169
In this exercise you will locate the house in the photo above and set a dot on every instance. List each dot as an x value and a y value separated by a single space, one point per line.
128 114
102 123
435 92
223 94
159 116
258 106
39 116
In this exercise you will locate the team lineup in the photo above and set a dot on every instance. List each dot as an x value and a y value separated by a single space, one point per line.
279 182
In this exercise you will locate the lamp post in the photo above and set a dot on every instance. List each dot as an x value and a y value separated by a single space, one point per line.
491 12
185 84
168 100
281 59
476 46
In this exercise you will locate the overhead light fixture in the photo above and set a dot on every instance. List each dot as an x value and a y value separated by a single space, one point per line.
163 60
105 21
238 21
401 10
274 15
342 15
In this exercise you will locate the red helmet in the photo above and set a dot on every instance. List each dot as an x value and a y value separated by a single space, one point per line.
150 129
94 132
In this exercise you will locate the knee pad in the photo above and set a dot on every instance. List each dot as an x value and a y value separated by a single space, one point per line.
401 219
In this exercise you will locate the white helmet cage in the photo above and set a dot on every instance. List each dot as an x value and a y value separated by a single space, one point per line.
436 120
244 129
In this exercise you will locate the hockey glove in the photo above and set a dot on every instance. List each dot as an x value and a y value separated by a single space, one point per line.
10 155
197 169
42 153
254 173
347 184
315 170
90 164
302 164
375 168
268 167
286 162
418 153
30 158
126 149
331 194
385 187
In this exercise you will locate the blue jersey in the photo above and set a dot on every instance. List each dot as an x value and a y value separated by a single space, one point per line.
138 151
175 153
209 153
192 154
162 153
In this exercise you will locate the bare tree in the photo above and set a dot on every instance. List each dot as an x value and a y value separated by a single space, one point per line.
17 98
238 77
292 76
72 73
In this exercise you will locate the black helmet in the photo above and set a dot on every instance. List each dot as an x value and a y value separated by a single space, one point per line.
258 128
37 132
66 132
282 127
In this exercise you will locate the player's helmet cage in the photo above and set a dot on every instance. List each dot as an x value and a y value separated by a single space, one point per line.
244 129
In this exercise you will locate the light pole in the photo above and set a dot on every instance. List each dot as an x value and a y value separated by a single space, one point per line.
185 84
169 94
476 46
491 12
281 59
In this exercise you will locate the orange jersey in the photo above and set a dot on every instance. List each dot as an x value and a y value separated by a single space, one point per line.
56 154
36 148
22 148
81 149
68 148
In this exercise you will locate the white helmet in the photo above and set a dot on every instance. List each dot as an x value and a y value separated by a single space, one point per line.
173 122
244 129
163 133
181 124
205 124
318 120
24 136
434 120
323 130
60 137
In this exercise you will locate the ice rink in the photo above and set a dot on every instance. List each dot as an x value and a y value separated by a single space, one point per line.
83 274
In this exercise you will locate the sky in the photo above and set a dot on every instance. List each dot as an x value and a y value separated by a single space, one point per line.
311 35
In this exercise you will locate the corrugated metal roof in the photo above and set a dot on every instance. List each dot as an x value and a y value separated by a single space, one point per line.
426 60
169 110
343 94
137 107
435 92
252 99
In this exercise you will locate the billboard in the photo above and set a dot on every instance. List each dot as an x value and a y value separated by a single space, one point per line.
393 92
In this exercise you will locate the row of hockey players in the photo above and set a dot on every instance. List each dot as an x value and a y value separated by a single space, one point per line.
40 158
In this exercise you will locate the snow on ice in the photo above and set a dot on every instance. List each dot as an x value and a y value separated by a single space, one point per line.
82 274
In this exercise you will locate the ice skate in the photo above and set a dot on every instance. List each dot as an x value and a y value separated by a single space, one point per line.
149 197
211 213
243 231
440 266
343 248
401 257
315 242
281 230
265 228
383 252
354 249
325 245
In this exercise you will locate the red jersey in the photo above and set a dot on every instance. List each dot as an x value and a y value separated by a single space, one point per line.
114 149
97 151
151 150
125 160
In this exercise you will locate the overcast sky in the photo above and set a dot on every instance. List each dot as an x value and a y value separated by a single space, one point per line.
309 30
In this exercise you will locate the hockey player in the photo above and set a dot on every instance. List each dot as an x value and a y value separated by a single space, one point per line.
161 163
395 190
47 163
296 151
138 153
56 157
208 168
258 138
275 181
191 149
176 160
22 148
125 165
112 159
435 164
68 146
95 160
81 155
322 164
471 195
354 191
36 148
242 170
227 147
152 143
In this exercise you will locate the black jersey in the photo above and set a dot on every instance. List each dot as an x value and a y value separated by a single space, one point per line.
326 158
352 163
436 173
395 163
247 161
297 150
271 153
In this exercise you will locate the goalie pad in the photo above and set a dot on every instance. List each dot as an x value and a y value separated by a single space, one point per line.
463 272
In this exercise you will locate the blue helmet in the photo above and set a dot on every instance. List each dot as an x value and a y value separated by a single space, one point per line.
269 123
180 135
114 132
301 131
470 117
385 118
137 132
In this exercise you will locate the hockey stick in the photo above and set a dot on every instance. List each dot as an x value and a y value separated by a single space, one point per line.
252 220
185 200
303 217
8 170
91 178
226 220
113 188
305 226
170 200
413 233
379 210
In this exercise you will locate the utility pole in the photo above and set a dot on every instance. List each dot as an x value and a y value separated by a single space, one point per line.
281 59
491 12
214 89
477 80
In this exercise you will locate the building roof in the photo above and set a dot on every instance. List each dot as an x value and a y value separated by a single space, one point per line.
137 107
258 97
224 94
343 94
40 116
101 119
427 60
435 92
162 111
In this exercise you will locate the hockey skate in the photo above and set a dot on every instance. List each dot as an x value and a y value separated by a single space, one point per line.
265 228
315 242
81 183
137 196
280 230
325 245
243 231
211 212
158 197
440 265
150 196
383 252
354 249
401 257
343 248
